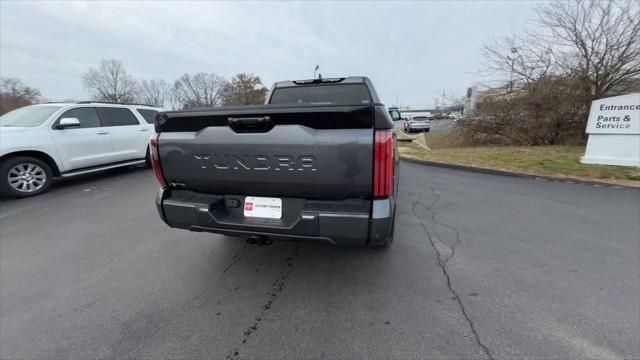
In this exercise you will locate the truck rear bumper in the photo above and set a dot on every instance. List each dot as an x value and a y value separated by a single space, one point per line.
348 221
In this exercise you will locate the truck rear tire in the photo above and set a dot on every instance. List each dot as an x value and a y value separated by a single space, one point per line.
23 176
147 159
390 238
387 243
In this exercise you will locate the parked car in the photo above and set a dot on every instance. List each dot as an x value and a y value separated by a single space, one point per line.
417 123
318 162
40 142
455 116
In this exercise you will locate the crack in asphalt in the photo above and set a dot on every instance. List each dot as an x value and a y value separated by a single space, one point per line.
442 261
277 286
234 260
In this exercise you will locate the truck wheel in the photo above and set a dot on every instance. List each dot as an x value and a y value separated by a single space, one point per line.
393 228
387 243
23 176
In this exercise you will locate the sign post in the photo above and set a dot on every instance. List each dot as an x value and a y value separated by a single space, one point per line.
614 131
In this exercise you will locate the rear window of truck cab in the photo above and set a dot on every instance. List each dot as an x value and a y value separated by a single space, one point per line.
341 94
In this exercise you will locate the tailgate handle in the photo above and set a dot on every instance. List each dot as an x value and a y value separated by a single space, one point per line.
250 124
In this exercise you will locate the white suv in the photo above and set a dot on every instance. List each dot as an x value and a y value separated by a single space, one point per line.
40 142
417 123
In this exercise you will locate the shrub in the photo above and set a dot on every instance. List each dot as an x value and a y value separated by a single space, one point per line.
544 112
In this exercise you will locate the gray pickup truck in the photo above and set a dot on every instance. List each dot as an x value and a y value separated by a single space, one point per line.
319 162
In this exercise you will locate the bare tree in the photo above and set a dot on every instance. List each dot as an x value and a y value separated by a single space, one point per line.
456 102
455 99
15 88
14 94
153 92
110 82
596 41
518 60
245 89
581 50
199 90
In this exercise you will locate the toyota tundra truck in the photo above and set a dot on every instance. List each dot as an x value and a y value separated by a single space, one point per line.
318 161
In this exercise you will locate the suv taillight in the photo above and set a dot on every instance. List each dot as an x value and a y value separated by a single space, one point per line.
383 163
155 160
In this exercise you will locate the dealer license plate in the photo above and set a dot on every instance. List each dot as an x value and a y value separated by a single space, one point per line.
263 207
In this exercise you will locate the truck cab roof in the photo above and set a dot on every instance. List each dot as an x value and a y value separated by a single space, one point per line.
330 81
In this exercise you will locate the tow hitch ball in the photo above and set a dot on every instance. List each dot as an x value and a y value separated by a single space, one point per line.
259 240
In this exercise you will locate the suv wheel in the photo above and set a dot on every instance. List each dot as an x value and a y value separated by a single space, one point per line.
24 176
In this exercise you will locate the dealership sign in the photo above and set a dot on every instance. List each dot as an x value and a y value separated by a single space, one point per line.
614 131
616 115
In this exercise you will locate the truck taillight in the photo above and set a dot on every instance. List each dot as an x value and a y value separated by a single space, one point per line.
383 163
155 160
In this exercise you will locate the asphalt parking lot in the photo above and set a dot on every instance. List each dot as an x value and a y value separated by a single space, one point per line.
482 266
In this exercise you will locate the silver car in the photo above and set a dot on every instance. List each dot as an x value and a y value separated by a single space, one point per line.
418 123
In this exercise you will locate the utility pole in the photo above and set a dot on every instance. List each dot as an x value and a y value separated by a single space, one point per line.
442 111
396 100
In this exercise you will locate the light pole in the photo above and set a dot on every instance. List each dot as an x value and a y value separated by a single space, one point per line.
513 59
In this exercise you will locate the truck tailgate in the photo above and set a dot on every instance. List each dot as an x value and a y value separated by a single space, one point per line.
311 152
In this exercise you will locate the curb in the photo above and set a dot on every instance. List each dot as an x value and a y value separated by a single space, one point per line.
515 174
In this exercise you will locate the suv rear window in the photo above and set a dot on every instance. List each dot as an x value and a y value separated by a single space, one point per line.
112 116
344 94
148 115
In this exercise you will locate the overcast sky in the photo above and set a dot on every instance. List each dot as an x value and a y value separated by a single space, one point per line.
409 49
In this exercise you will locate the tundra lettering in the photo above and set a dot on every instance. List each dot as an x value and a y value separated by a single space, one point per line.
256 162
